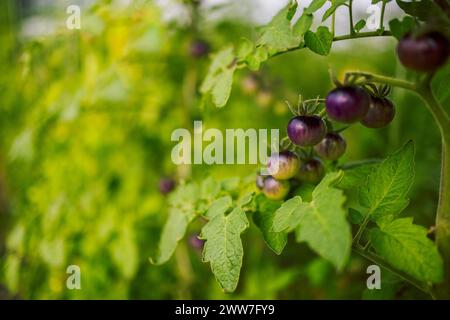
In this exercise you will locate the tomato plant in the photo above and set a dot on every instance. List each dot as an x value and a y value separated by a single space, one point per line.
87 177
318 216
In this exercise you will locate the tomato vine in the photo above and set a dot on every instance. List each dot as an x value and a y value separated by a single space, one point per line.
391 242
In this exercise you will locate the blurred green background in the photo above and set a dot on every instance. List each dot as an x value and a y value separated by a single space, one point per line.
85 123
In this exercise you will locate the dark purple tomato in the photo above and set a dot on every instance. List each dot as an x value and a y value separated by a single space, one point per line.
260 181
311 171
283 165
332 147
381 113
275 189
199 49
166 185
195 242
347 104
306 130
424 53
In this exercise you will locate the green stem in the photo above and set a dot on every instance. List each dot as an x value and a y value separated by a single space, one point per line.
350 13
394 82
333 22
361 229
370 34
383 9
443 209
442 120
314 100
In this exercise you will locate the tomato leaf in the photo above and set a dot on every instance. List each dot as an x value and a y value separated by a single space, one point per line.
314 6
219 206
263 218
303 24
182 210
400 28
319 42
219 79
223 247
407 247
360 25
386 188
320 223
424 10
335 4
289 215
278 36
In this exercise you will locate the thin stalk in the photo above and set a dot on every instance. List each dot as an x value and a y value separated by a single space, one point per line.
370 34
333 23
350 13
361 229
443 209
383 9
394 82
442 120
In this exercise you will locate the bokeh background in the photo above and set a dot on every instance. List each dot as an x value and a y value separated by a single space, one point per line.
85 123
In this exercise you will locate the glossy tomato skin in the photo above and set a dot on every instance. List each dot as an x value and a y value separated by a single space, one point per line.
283 165
381 113
425 53
332 147
347 104
306 130
311 171
275 189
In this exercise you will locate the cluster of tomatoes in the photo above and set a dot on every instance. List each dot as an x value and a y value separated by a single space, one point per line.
346 104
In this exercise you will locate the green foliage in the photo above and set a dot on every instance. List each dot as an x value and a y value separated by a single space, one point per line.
334 5
321 223
360 25
385 189
314 6
182 210
424 10
223 247
401 27
85 137
278 35
407 247
263 218
219 79
320 41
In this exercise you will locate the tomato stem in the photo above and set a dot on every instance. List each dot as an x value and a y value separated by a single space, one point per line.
443 210
441 117
350 13
383 9
359 35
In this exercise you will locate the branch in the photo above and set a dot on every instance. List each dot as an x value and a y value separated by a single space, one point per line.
370 34
394 82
